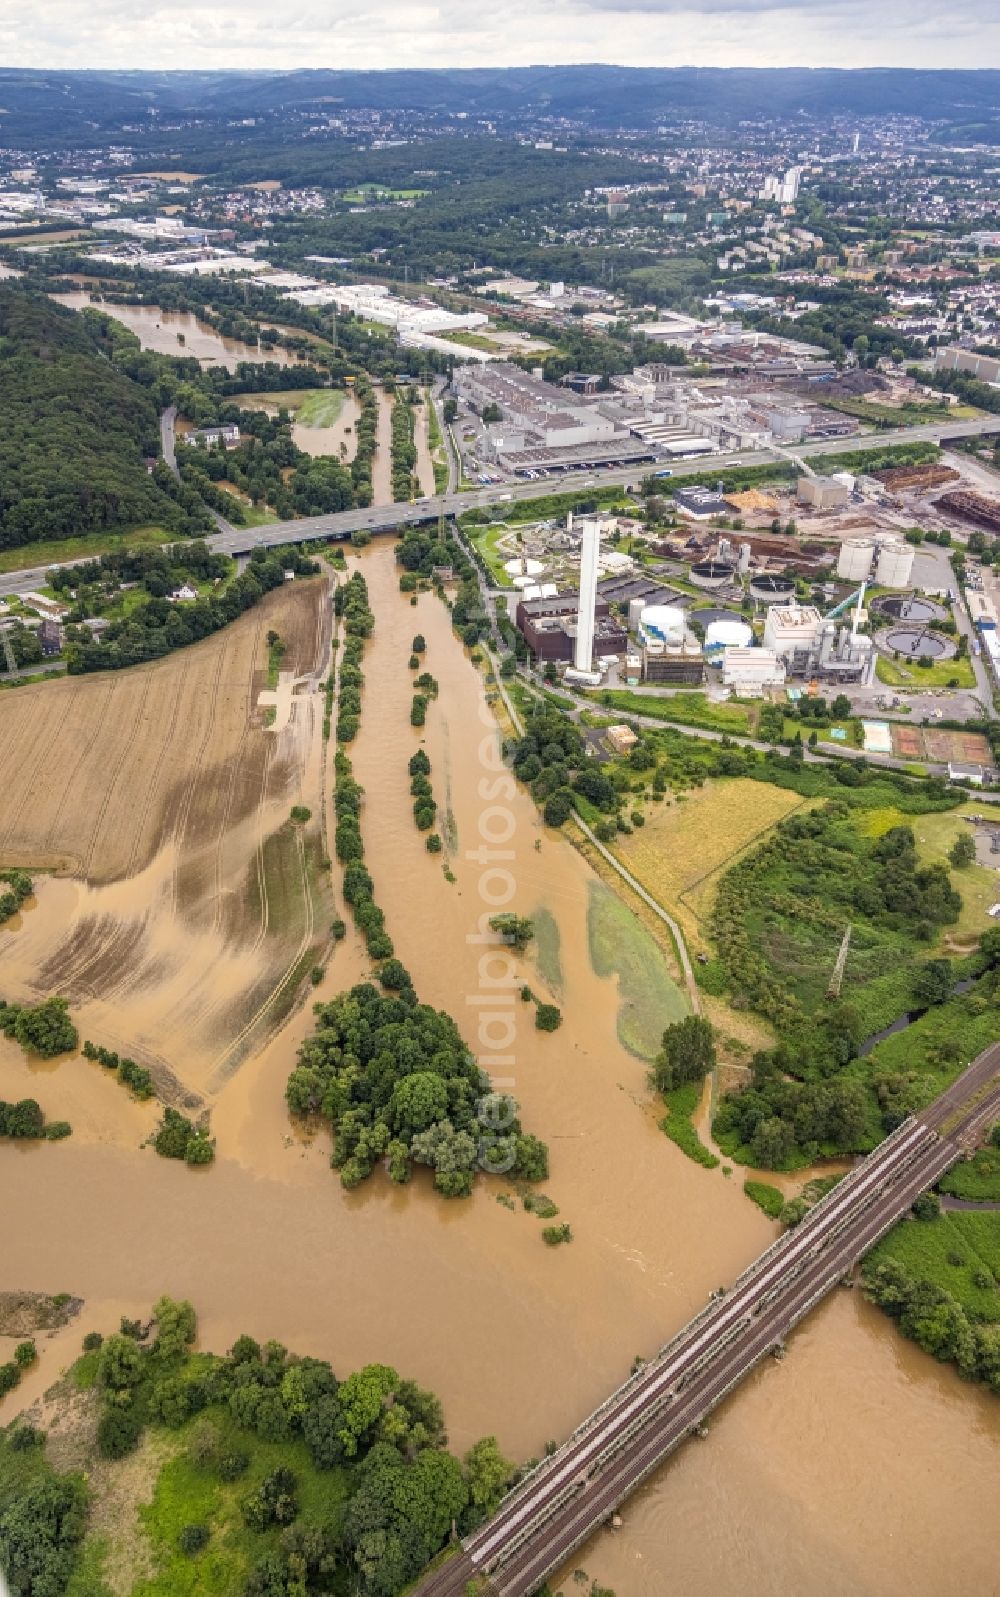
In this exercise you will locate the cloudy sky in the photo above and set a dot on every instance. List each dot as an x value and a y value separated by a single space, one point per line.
381 33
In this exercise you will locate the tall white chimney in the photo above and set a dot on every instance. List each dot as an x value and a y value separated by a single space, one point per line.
589 549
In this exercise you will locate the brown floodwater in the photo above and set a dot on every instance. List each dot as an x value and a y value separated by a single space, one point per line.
340 439
382 465
178 333
855 1466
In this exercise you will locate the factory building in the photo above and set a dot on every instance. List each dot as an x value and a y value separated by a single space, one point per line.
985 368
544 427
670 652
700 503
792 632
823 493
374 303
751 672
843 655
549 627
812 647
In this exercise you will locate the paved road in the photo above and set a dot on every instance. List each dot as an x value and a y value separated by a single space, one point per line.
32 670
168 438
567 1496
386 518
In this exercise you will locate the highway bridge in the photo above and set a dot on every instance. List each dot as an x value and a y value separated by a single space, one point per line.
386 518
567 1496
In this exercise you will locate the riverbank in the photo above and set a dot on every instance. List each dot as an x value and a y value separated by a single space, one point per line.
518 1339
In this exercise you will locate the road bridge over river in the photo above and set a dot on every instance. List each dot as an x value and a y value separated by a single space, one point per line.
386 518
570 1494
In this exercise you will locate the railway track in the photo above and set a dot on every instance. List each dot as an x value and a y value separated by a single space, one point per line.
570 1494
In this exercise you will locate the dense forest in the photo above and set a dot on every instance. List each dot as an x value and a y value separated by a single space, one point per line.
74 432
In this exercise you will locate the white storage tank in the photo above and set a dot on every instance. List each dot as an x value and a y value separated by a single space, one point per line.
662 624
894 564
721 635
635 609
855 559
523 567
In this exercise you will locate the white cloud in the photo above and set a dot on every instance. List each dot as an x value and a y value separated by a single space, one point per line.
412 33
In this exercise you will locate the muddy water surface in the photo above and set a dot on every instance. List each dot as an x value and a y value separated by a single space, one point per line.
340 439
179 333
382 465
855 1466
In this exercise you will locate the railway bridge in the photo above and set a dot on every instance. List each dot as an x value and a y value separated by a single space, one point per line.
569 1494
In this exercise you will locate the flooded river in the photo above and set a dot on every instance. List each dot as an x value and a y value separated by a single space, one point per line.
178 333
856 1466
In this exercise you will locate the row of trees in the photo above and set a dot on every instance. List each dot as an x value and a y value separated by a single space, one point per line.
424 805
135 1077
350 603
26 1120
404 450
15 887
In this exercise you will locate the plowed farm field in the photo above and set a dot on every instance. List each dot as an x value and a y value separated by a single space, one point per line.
177 906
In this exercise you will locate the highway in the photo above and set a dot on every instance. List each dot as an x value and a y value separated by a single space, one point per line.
570 1494
386 518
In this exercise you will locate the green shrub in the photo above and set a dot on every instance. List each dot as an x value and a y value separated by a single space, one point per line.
192 1539
118 1431
554 1235
548 1017
766 1197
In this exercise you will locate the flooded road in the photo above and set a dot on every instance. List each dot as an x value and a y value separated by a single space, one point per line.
382 464
855 1466
178 333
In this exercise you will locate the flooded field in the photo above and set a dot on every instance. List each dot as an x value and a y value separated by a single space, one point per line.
183 891
856 1466
339 438
178 333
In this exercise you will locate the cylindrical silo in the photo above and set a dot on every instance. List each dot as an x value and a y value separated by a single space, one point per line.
855 559
894 564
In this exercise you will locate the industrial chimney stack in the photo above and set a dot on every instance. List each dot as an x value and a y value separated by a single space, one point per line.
589 549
